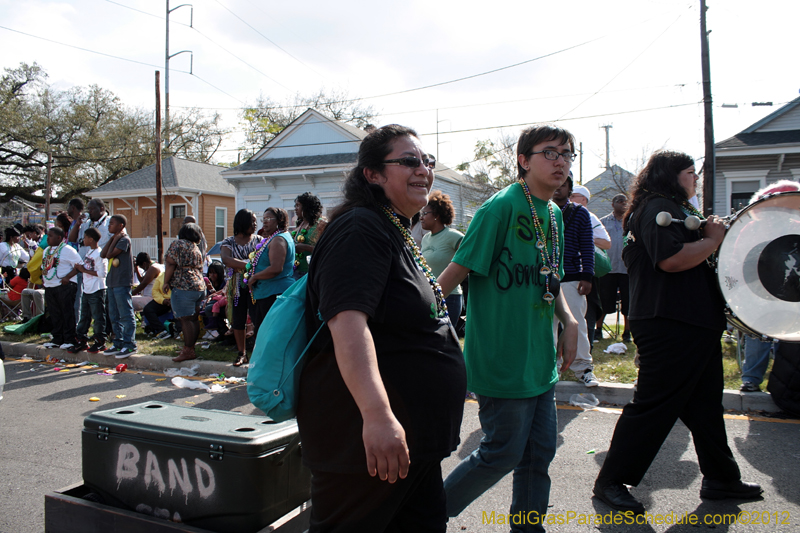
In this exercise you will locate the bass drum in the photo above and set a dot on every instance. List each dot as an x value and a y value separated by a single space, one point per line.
758 268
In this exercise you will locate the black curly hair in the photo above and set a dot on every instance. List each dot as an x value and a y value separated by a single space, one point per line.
658 178
442 207
312 209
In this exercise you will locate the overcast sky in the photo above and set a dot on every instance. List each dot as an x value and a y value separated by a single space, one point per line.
632 64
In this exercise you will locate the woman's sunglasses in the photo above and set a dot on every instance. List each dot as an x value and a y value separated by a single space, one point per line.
412 162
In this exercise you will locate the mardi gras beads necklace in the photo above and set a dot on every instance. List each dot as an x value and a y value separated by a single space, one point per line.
441 305
255 255
299 237
549 262
50 263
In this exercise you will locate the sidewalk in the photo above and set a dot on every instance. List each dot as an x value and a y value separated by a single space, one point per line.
610 393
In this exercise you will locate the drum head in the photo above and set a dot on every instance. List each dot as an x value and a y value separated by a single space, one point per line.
759 267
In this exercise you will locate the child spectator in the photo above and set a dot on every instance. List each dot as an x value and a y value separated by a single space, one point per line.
118 283
94 269
58 271
158 306
16 285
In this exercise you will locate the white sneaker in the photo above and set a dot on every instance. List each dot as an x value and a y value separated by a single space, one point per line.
50 345
66 346
588 378
163 335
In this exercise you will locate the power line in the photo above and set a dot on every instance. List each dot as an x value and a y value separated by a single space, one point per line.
86 49
500 102
204 36
268 39
329 143
123 59
624 68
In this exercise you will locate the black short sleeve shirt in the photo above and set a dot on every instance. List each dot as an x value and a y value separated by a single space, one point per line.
691 296
362 263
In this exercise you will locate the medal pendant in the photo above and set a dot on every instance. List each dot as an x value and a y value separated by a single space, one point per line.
540 245
545 271
548 297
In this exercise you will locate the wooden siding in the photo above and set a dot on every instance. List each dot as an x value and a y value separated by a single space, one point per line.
141 224
208 205
313 138
786 122
753 164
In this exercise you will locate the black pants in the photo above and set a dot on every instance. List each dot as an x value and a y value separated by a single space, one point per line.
358 503
260 310
151 312
60 304
680 376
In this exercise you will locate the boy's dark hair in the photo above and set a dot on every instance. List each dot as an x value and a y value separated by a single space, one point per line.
93 233
9 272
142 258
121 219
534 135
24 274
77 202
58 231
190 232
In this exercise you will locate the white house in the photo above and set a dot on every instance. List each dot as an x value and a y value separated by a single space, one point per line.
762 153
314 154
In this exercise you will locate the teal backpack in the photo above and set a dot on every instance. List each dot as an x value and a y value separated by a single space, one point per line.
273 377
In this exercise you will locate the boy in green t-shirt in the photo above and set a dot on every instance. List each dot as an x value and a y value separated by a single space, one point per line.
516 264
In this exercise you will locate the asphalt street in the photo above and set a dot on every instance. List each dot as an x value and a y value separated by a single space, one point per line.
42 415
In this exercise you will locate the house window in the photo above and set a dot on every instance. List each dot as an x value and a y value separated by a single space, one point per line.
220 223
178 211
741 191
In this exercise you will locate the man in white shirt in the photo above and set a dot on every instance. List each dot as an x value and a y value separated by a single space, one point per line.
60 287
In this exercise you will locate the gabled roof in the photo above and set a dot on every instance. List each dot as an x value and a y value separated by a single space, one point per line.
754 136
176 174
753 128
298 162
741 140
605 186
309 116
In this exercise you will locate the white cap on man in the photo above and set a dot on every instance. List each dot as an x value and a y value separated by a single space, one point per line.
583 191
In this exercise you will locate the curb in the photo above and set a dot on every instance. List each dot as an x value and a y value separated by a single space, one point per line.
619 394
611 393
157 363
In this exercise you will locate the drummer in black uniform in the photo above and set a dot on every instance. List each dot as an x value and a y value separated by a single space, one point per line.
676 317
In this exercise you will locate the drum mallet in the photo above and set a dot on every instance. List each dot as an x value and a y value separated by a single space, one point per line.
691 222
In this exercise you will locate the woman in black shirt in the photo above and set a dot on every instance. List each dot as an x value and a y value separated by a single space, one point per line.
381 397
676 317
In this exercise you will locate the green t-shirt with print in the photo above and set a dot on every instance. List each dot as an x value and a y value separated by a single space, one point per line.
509 347
438 250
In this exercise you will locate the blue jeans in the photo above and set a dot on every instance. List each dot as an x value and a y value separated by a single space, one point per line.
93 306
454 303
120 310
519 435
756 360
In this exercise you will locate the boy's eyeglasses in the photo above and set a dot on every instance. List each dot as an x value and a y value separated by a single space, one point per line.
411 162
552 155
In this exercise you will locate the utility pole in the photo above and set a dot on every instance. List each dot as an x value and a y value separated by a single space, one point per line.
608 146
167 57
47 188
580 175
159 237
709 163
